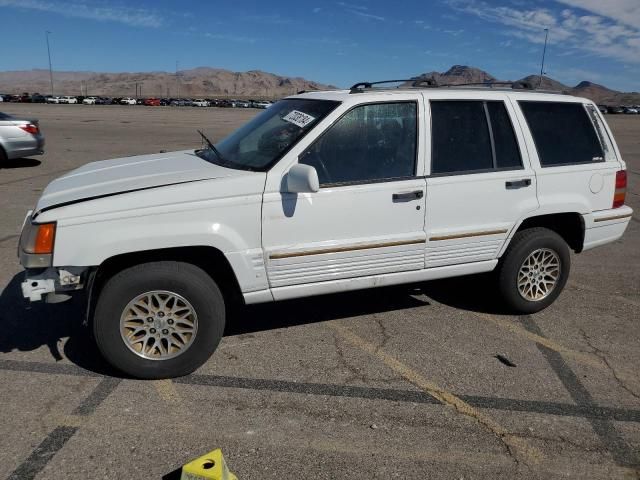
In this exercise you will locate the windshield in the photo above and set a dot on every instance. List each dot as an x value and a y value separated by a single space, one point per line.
262 142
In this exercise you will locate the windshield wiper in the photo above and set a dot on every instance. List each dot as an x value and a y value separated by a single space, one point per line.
211 146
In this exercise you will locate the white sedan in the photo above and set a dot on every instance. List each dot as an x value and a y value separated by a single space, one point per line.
128 101
68 99
53 100
201 102
89 101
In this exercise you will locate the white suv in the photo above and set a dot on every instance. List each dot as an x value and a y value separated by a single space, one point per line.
327 192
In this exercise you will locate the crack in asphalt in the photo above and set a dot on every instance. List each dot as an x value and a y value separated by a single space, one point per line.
600 353
620 450
355 373
516 448
383 331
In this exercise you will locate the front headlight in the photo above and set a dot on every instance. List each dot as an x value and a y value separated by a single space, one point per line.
36 244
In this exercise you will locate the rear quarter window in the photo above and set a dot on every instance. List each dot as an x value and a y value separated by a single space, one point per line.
563 133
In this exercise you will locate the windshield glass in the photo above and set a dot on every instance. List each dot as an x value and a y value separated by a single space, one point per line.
262 142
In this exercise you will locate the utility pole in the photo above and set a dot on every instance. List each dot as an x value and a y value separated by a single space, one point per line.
49 54
544 51
177 81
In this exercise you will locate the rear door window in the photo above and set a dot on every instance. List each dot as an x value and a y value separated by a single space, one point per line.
507 151
472 136
563 133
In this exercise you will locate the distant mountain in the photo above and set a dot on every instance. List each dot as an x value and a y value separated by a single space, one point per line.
545 83
216 82
459 74
202 81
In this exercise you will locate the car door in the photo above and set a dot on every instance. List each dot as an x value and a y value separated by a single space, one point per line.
480 182
368 216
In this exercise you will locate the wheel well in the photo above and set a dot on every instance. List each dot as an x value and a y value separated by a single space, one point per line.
210 259
570 226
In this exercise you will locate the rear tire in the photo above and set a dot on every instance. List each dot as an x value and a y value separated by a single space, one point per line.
534 270
175 307
3 156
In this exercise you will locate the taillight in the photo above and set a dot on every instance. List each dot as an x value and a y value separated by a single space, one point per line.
30 128
621 189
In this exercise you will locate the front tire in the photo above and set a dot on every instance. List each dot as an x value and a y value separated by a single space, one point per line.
159 320
534 270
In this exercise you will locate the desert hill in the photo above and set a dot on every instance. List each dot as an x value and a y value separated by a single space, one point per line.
459 74
216 82
202 81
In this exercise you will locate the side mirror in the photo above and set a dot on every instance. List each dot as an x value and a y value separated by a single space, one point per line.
302 178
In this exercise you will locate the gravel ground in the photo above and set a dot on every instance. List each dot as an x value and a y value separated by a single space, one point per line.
394 383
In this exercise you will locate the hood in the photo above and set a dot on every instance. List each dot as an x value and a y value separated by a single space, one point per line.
121 175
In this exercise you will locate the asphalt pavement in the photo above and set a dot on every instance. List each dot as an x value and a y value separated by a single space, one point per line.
422 381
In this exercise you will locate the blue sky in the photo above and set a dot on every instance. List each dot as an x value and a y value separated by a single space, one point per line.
328 41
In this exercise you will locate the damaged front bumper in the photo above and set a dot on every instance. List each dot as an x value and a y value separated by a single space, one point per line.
55 284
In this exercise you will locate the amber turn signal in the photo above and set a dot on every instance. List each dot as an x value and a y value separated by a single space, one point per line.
44 238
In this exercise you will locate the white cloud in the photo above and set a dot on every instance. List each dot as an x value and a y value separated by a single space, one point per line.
367 15
602 34
623 11
230 38
352 6
360 11
136 17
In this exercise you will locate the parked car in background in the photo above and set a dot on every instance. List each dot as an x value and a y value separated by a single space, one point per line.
261 104
53 99
603 109
630 111
200 102
68 99
615 110
89 100
127 101
19 137
152 102
242 104
37 98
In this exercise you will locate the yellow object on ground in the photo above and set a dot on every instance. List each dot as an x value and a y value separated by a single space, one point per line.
210 466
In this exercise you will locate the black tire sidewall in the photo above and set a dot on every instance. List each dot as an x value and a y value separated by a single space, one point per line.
522 245
187 280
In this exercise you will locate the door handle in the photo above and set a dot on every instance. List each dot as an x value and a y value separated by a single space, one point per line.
407 196
525 182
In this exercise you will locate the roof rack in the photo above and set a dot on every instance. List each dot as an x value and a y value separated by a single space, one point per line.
431 82
415 82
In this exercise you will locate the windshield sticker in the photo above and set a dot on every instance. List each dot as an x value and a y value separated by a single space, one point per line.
300 119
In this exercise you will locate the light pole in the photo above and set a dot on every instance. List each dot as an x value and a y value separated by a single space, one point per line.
49 54
544 51
177 81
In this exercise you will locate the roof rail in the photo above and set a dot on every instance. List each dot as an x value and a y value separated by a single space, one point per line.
430 82
519 85
359 87
415 82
